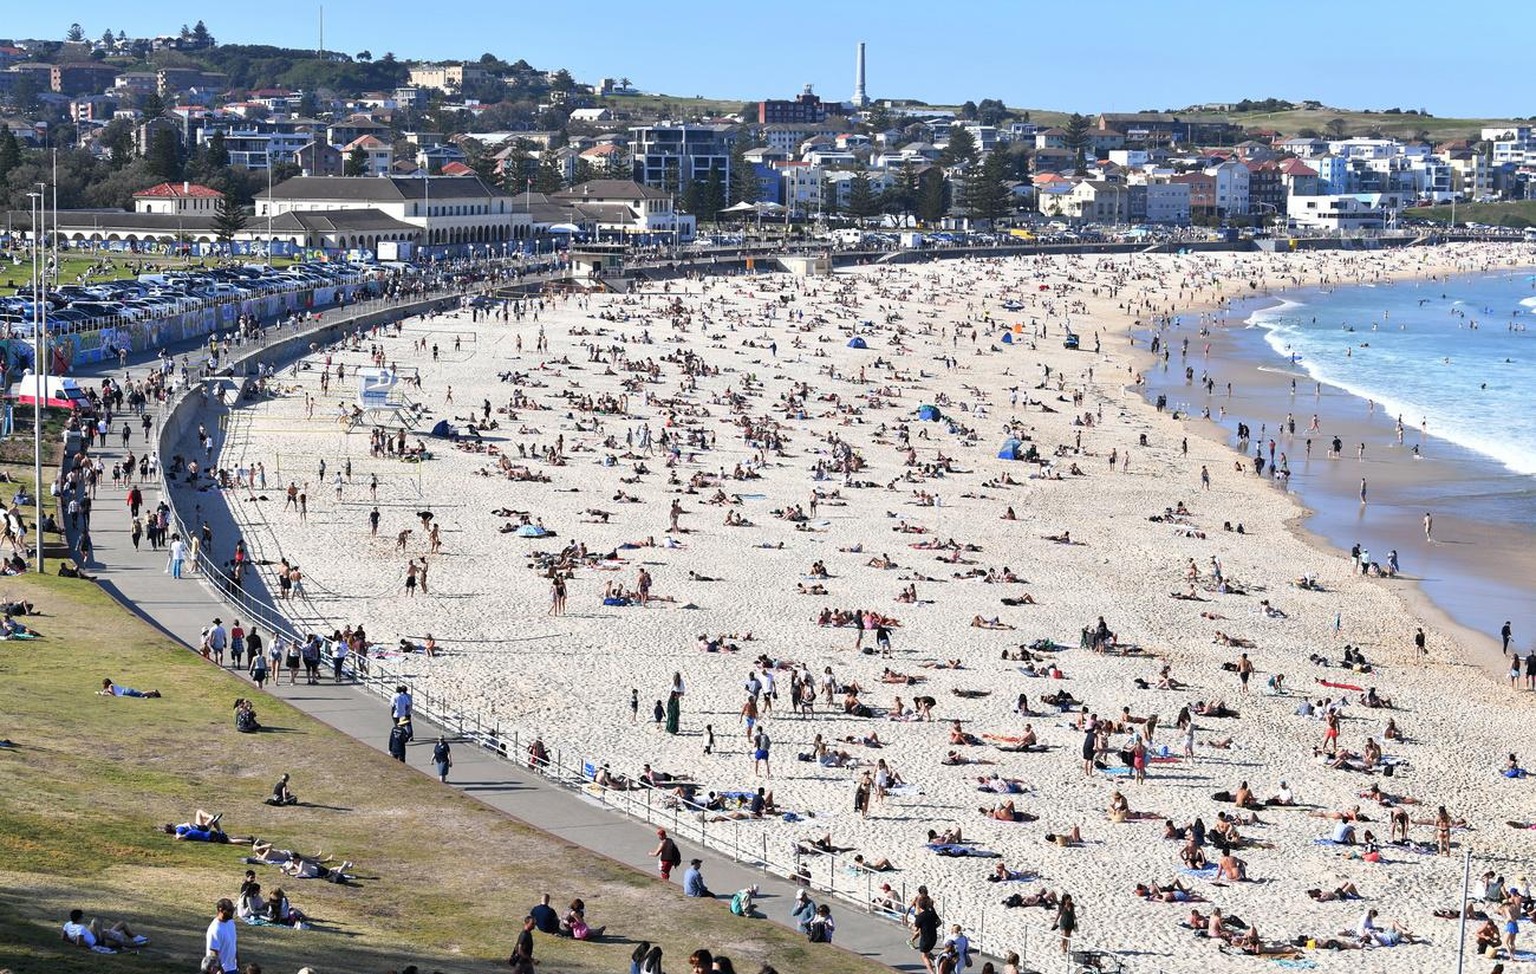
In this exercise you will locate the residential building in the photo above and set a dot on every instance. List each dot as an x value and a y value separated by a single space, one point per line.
319 158
1085 201
1266 188
137 82
802 187
169 81
81 78
669 156
1202 193
1232 185
378 155
1167 203
353 127
1297 178
446 77
804 108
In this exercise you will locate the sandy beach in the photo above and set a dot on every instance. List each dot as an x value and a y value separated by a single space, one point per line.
807 482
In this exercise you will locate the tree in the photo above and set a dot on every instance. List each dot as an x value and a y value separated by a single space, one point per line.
986 196
164 155
932 196
107 40
1336 127
562 81
961 148
10 153
357 162
118 138
584 172
829 205
712 195
548 179
228 219
1078 141
75 34
201 37
745 186
25 96
216 156
862 201
968 110
152 105
309 105
516 166
364 56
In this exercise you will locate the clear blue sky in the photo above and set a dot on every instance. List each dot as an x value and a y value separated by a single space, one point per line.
1114 55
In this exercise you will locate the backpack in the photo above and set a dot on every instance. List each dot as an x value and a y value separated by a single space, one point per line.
816 933
670 853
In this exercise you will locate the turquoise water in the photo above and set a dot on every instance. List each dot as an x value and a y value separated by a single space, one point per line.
1456 357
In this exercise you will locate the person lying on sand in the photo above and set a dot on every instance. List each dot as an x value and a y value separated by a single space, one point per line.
1344 891
1174 892
1072 838
955 758
1006 812
1002 874
994 622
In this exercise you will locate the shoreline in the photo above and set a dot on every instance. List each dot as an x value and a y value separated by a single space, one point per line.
1464 577
569 676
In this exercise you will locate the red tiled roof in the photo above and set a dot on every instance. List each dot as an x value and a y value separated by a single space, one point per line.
457 169
170 191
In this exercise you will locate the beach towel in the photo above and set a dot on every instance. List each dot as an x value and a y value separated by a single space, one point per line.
904 791
1208 872
1299 963
1342 686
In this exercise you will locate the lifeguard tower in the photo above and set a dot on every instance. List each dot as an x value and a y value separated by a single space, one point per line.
381 401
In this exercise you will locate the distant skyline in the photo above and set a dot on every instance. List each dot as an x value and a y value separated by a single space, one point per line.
1114 56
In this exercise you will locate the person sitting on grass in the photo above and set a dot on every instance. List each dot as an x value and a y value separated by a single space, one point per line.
94 937
281 793
110 689
245 717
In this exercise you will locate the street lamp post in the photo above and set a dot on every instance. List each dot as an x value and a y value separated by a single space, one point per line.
39 370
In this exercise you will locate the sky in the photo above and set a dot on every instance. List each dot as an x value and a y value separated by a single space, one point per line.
1114 55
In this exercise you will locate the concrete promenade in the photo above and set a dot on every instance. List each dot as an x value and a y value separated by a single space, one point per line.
181 609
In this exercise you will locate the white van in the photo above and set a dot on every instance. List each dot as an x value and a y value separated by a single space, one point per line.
59 391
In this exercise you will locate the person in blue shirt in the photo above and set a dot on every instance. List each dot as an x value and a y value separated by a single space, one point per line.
693 881
545 919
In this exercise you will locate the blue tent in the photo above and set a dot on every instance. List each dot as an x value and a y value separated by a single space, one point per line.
856 342
441 429
1007 338
1011 449
531 531
929 414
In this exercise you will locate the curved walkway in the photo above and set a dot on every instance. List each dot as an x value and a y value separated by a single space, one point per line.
181 609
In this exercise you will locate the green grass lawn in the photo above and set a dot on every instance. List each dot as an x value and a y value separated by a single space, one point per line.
16 278
1513 213
444 879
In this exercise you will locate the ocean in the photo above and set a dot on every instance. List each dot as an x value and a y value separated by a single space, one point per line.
1455 358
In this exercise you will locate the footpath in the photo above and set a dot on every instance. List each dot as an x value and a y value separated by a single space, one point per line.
139 579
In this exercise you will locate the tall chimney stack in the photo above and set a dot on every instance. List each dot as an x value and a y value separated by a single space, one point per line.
860 96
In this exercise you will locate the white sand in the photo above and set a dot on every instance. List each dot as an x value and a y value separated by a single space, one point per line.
570 678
